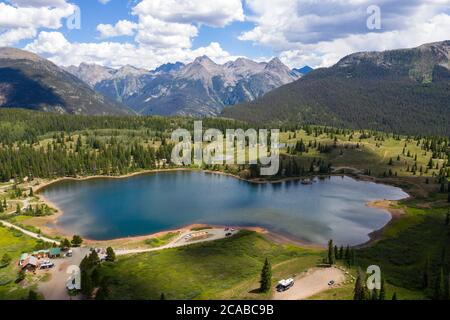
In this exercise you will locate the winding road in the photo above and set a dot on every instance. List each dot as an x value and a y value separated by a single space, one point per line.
180 241
29 233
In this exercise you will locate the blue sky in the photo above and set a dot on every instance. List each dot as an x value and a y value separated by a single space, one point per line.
147 33
117 10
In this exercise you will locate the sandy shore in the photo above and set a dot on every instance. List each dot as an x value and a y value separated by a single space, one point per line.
396 214
49 225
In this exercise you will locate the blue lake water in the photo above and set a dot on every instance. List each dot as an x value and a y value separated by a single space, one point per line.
334 208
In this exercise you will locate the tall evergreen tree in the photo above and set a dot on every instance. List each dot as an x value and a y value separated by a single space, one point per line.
359 288
347 254
352 261
341 253
331 254
266 277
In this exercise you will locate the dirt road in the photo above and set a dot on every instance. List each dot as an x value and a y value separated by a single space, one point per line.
315 281
181 241
55 288
29 233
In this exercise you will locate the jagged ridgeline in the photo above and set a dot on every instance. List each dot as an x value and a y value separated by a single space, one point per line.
201 88
404 91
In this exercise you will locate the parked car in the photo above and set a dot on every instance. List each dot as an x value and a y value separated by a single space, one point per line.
46 265
331 283
285 285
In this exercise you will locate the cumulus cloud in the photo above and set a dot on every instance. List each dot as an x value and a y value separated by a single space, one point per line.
59 50
38 3
314 32
21 19
321 32
163 32
218 13
121 28
173 23
10 37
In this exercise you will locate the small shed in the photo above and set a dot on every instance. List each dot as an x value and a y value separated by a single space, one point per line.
54 253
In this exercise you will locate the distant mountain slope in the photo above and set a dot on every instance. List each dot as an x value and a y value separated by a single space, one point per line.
201 88
31 82
404 91
305 70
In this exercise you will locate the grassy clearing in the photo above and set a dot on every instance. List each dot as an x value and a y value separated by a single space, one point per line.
406 245
14 244
162 241
346 291
373 154
223 269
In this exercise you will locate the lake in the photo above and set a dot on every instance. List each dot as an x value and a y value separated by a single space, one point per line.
334 208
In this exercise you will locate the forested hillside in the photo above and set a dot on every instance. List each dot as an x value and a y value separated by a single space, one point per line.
404 91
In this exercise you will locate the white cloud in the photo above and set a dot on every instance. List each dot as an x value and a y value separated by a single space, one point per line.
56 47
121 28
217 13
319 33
163 32
174 23
10 37
327 53
39 3
314 32
23 18
156 33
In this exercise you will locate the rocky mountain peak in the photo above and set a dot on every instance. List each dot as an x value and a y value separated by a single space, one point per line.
128 70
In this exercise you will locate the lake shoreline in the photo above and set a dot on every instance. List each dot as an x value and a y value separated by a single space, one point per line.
49 225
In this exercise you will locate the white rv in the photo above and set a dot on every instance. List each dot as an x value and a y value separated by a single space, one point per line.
285 285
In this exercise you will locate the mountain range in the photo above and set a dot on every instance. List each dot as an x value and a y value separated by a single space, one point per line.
201 88
404 91
31 82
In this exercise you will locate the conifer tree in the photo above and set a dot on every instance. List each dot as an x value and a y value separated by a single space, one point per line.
110 254
266 277
330 252
359 288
